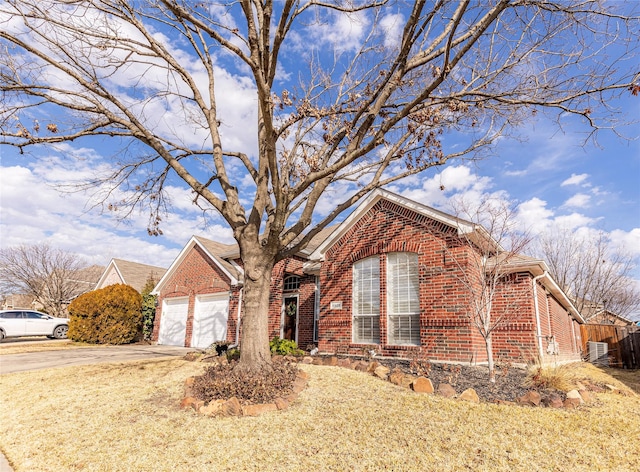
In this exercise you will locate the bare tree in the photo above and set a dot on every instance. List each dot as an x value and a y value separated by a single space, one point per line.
592 272
51 276
488 273
367 109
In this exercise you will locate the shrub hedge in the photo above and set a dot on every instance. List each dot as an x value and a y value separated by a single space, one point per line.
111 315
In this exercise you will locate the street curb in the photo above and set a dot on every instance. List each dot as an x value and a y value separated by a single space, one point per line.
4 464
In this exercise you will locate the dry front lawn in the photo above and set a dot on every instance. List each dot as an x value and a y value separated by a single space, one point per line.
125 417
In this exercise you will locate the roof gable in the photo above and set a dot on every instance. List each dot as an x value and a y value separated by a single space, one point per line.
217 252
131 273
475 233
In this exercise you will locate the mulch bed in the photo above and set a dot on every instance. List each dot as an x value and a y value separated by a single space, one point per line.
508 385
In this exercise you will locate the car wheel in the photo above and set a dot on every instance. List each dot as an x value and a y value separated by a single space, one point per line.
1 335
60 332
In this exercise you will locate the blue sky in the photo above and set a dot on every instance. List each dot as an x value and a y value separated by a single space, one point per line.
555 178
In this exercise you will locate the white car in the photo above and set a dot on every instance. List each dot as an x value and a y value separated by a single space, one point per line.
18 322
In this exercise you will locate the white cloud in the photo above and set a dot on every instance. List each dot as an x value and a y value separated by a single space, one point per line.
573 221
575 179
391 27
534 215
628 241
579 200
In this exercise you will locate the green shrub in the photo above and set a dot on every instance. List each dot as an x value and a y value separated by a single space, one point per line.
233 354
111 315
148 309
284 347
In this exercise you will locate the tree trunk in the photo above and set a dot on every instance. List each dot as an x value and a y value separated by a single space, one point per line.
254 343
492 369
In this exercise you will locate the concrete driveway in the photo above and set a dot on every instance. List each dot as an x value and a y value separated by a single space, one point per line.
67 357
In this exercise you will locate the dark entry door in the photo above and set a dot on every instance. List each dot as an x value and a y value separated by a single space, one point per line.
290 318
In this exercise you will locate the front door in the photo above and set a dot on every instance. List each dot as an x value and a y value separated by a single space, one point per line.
290 323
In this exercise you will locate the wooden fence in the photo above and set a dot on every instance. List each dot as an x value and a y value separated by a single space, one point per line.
623 343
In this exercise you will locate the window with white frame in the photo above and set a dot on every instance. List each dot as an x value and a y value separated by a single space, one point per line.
403 298
366 301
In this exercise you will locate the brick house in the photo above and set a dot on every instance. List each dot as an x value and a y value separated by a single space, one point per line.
389 279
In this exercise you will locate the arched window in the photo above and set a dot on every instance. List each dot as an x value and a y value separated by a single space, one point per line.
291 283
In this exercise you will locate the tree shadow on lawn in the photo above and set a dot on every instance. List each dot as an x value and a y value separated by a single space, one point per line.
631 378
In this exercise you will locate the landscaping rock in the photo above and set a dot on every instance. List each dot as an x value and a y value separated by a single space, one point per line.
571 403
382 372
396 376
586 396
231 407
344 362
470 395
360 366
299 384
302 375
187 402
575 395
373 365
530 398
256 410
318 361
553 400
331 361
407 380
307 360
446 390
281 403
422 385
213 408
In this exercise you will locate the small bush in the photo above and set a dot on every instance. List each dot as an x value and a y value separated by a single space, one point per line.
233 354
221 382
111 315
148 309
284 347
549 378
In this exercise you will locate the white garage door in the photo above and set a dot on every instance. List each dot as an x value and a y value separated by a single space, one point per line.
210 320
173 324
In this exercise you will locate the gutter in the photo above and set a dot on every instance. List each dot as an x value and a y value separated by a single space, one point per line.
537 312
237 342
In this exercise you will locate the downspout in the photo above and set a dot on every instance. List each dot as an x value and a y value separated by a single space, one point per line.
537 312
237 342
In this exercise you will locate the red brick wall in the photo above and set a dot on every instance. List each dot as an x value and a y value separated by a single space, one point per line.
198 275
515 339
445 331
562 331
306 300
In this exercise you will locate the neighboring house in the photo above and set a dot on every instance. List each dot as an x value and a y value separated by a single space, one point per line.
119 271
387 282
64 289
608 317
20 300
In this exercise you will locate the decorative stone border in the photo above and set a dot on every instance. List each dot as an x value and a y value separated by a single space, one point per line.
232 407
574 398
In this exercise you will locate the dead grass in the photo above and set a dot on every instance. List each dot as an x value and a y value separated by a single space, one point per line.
124 417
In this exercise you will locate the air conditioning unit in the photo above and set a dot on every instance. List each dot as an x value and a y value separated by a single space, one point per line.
598 353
